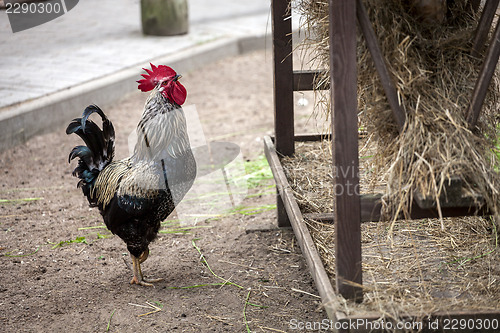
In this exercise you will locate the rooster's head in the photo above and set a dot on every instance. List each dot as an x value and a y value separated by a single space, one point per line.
166 80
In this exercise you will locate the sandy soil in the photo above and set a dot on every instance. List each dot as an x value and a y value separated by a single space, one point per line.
84 286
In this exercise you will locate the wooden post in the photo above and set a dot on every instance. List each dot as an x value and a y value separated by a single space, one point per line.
283 77
484 79
385 78
347 207
484 26
281 213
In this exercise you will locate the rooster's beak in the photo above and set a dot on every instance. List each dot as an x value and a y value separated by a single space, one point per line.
177 77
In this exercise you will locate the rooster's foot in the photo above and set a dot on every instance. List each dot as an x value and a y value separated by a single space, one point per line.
152 280
138 278
144 282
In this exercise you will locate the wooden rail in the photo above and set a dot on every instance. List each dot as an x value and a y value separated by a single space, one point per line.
484 26
301 232
304 80
385 78
488 68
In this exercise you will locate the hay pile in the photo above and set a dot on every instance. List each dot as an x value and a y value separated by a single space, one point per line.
412 266
423 268
309 173
434 75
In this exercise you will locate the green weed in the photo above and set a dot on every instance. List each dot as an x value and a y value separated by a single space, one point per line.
258 172
81 239
8 254
13 201
109 321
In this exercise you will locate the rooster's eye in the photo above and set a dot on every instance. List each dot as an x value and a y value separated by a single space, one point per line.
164 83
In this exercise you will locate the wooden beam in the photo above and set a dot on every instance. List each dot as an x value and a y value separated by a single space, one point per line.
484 26
281 214
283 76
304 238
371 206
320 136
485 75
385 78
312 137
281 182
304 80
342 27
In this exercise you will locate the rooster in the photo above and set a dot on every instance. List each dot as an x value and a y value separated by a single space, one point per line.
134 195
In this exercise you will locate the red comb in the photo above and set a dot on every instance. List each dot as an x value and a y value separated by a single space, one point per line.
155 75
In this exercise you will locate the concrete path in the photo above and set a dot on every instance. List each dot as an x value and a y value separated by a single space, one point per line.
100 37
98 47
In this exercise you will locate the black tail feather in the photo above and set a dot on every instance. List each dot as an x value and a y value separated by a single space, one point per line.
98 150
84 153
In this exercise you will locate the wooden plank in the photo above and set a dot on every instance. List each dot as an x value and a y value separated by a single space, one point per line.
281 182
283 76
275 165
304 239
312 137
452 195
371 207
342 14
303 80
281 214
485 75
385 78
421 213
321 137
484 26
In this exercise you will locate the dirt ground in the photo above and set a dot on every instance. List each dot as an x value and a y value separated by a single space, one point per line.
82 285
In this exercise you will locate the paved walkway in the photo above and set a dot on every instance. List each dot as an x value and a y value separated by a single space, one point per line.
100 37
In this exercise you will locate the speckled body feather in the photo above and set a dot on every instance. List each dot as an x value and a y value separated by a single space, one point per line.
136 194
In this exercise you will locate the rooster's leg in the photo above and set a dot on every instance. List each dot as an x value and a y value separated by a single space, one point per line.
142 259
136 269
